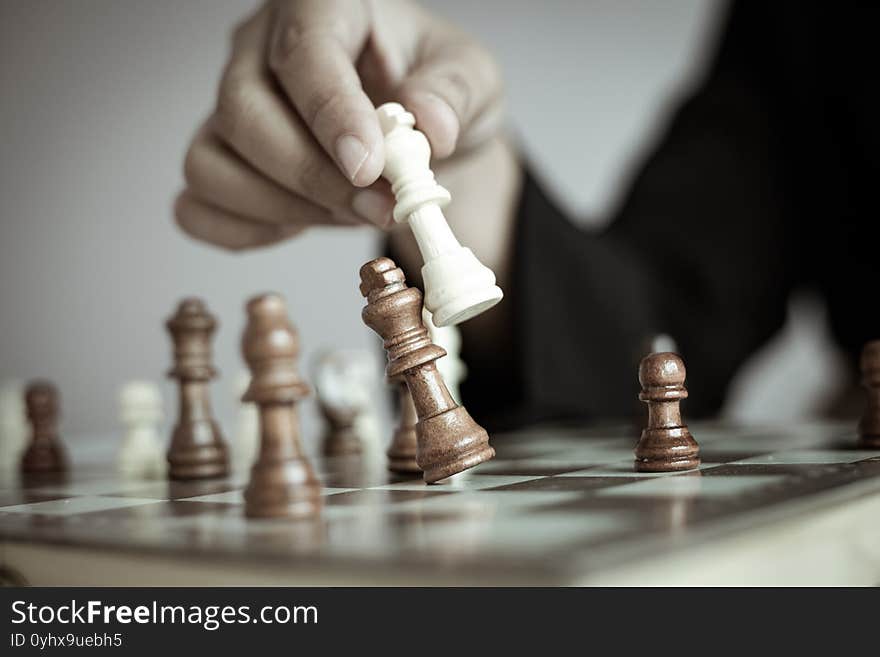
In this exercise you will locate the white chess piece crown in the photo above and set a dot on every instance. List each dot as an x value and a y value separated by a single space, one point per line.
457 285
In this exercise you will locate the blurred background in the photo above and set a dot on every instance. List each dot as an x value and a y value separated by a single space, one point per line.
101 97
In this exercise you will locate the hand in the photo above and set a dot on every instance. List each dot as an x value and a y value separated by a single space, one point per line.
294 140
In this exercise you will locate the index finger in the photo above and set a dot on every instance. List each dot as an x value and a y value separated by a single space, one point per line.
312 53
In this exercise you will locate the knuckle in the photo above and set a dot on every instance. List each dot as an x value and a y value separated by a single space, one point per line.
325 105
293 40
284 47
309 176
235 106
239 31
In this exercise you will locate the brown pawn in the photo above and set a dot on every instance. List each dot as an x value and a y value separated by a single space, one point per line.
197 449
869 425
449 441
404 443
666 445
341 438
45 453
283 484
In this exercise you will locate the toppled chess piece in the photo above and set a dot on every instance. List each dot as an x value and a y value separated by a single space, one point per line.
140 410
869 425
197 449
449 441
282 484
457 285
344 381
44 453
404 441
666 445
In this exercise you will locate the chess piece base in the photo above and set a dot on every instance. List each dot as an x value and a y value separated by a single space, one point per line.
450 443
343 442
402 453
285 489
667 450
458 287
197 452
869 442
40 458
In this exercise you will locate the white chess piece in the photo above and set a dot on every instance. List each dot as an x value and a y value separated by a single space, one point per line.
140 410
451 366
663 343
13 424
457 285
247 425
345 381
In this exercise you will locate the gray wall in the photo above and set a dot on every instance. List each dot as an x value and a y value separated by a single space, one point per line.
99 99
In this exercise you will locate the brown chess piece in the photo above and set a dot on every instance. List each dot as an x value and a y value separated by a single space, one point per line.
341 437
666 445
869 425
197 449
449 441
282 483
404 443
44 453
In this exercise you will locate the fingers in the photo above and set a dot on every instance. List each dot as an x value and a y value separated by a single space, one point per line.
257 123
217 176
224 229
312 51
454 92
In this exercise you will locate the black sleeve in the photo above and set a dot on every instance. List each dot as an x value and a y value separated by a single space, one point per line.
699 250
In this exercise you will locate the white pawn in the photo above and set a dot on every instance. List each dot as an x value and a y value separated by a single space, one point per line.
663 343
345 381
451 366
457 285
246 440
13 424
140 410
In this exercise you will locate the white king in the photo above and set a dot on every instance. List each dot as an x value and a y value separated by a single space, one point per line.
457 285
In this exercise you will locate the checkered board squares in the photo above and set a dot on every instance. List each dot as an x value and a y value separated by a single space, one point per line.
551 499
807 456
76 505
693 486
462 481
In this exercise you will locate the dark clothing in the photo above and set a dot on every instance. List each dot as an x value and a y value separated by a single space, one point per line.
763 183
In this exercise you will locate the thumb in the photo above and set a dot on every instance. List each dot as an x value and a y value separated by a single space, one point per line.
452 91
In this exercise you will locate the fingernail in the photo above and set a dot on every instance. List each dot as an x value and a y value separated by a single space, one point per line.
351 153
373 206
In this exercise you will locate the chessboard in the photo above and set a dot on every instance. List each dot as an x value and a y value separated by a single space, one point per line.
558 505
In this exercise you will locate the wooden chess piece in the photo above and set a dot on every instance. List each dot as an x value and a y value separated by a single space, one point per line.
449 441
340 438
666 445
869 425
282 484
457 285
197 449
404 442
44 453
